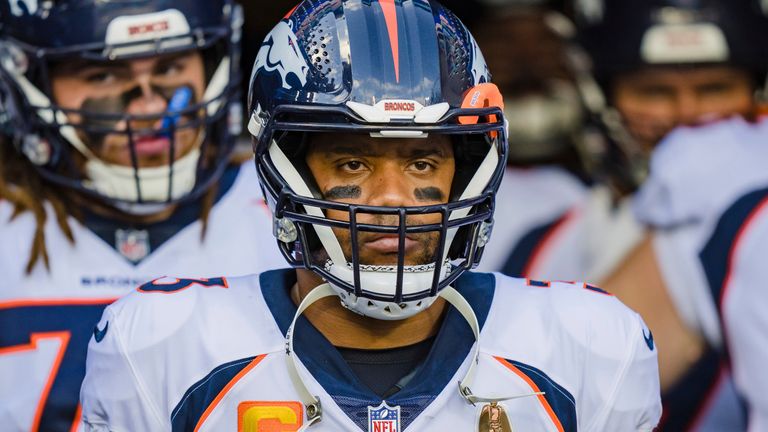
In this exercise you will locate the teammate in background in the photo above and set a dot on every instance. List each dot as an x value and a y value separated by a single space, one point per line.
380 145
704 263
527 45
118 168
665 64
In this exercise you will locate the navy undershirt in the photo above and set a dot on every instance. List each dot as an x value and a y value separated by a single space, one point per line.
389 370
160 232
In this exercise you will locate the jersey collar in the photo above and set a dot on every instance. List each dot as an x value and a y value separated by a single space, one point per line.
450 349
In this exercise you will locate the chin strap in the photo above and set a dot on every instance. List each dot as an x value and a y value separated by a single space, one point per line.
312 402
460 303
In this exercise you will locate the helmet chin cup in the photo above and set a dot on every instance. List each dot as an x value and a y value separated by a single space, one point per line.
144 184
380 282
382 310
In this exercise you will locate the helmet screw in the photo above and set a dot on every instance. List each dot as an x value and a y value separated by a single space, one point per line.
484 236
285 230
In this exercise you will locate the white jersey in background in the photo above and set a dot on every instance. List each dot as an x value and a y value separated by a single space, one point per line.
210 355
550 225
48 317
536 216
704 201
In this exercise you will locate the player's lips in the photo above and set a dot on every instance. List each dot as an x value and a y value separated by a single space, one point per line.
151 145
389 244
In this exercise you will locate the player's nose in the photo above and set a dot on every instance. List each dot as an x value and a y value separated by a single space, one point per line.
391 187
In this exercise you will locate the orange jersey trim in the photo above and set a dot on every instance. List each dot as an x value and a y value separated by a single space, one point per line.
535 388
226 390
57 302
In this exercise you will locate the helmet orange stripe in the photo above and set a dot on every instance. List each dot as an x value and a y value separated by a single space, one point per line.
390 16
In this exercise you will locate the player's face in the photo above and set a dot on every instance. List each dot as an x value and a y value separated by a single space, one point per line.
141 87
358 169
654 101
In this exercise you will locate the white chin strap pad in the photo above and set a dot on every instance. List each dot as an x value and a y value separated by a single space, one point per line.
383 281
119 182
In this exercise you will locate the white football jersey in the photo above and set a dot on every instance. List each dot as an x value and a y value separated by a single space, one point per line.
48 317
550 225
704 200
537 232
210 355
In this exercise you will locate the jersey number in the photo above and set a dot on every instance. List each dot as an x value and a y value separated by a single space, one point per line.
30 327
172 285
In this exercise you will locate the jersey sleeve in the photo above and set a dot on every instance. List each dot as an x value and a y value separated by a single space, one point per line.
112 395
633 402
746 322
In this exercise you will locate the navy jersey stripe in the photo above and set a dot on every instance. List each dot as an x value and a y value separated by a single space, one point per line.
716 255
524 251
559 399
203 393
685 400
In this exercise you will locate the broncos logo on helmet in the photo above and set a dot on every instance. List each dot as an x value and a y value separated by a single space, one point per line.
480 71
283 56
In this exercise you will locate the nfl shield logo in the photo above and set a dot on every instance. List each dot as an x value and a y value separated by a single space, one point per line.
132 244
383 418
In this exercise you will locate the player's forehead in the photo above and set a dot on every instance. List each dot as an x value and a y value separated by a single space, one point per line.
363 144
682 75
72 66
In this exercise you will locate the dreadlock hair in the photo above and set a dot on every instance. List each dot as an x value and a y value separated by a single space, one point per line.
26 190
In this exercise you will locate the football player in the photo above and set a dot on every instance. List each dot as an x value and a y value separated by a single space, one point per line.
380 145
528 45
660 65
706 253
117 167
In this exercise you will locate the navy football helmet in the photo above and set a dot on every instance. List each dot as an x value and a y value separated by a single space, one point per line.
36 36
620 36
624 35
386 69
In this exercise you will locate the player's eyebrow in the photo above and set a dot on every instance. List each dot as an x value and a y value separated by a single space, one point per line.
415 153
405 153
351 151
80 65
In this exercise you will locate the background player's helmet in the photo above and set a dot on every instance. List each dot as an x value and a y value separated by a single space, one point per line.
527 44
34 35
621 36
625 35
388 69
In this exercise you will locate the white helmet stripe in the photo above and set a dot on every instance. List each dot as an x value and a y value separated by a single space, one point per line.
294 180
216 87
475 187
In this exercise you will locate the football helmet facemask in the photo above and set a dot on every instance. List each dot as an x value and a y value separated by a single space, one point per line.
36 37
319 71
